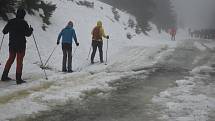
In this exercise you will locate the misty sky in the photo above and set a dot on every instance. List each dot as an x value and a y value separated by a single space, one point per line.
195 13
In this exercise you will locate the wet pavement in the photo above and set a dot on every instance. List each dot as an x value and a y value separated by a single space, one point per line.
129 100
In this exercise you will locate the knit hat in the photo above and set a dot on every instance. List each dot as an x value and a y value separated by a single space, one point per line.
99 23
70 23
20 13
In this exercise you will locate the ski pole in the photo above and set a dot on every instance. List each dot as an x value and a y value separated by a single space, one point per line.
74 51
50 56
1 43
106 53
39 56
89 53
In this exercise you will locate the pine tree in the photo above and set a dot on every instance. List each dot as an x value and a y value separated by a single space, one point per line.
6 6
164 16
32 6
48 9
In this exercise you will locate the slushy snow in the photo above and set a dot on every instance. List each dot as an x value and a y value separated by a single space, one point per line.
181 103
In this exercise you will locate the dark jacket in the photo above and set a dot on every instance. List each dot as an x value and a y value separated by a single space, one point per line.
18 29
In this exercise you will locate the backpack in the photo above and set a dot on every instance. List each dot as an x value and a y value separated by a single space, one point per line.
96 33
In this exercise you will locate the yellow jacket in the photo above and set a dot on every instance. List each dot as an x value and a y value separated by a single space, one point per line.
101 31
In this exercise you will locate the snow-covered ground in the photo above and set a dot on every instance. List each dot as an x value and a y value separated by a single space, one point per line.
193 98
184 102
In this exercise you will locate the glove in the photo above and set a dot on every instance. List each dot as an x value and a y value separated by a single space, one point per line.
77 44
31 29
108 37
58 43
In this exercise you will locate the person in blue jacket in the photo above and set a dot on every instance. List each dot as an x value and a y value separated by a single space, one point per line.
67 34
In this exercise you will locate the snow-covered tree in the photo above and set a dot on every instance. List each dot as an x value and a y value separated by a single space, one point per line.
31 6
48 9
6 6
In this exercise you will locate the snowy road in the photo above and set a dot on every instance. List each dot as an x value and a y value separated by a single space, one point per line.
129 100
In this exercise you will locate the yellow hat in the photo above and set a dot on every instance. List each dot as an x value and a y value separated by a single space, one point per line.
99 23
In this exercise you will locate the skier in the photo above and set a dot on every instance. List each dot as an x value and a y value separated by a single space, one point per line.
67 34
173 33
97 34
18 29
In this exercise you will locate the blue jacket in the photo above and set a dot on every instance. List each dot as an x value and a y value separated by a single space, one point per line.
67 34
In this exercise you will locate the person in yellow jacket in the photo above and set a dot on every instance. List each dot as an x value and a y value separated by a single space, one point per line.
97 35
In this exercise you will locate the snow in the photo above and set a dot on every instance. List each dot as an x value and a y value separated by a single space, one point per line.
39 94
192 99
182 105
125 57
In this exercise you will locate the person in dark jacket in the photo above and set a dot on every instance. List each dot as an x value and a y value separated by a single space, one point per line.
18 29
67 34
97 41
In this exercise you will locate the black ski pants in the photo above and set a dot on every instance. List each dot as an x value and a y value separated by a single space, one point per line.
67 53
96 44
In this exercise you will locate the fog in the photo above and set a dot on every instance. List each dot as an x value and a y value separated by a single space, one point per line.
195 14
